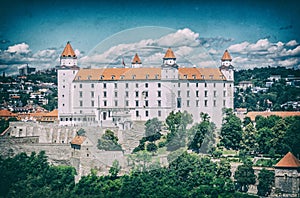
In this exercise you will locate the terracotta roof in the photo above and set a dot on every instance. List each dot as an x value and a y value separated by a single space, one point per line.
136 59
226 56
283 114
169 54
68 51
288 161
7 113
78 140
53 113
146 73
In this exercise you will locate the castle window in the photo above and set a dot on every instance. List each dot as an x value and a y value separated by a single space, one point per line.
178 93
116 94
205 93
137 113
63 96
101 77
92 86
215 103
224 93
197 103
205 84
197 93
80 85
178 84
188 84
214 84
224 103
136 94
63 105
136 103
113 77
158 93
64 86
205 103
126 85
146 113
105 103
92 94
80 94
159 103
133 76
188 94
136 85
104 85
146 85
215 93
92 103
104 94
196 84
126 94
158 85
159 113
116 103
127 103
224 85
187 103
80 103
146 103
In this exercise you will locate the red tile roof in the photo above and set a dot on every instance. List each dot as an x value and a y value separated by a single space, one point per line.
169 54
68 51
136 60
78 140
226 56
288 161
283 114
7 113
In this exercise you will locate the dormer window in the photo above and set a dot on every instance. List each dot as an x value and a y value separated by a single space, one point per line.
133 76
185 76
113 77
156 76
194 76
78 77
122 77
89 77
101 77
211 76
202 76
147 76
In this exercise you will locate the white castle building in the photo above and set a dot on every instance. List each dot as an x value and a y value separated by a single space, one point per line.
118 96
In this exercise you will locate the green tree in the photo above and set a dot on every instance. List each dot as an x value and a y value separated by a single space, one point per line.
265 182
151 147
244 176
231 130
115 169
249 139
201 136
153 129
109 142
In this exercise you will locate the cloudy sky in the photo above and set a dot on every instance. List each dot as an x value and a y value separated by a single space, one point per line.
257 33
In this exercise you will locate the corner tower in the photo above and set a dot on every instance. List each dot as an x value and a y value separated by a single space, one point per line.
169 68
68 57
136 61
65 76
226 67
169 58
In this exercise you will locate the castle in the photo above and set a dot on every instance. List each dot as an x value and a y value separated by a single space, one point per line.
117 96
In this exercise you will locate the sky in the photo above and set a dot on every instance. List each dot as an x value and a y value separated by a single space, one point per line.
257 33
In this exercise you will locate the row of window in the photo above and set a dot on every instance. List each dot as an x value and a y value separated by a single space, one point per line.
137 113
146 103
137 85
145 94
77 119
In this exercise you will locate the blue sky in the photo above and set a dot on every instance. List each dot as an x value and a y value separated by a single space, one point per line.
35 32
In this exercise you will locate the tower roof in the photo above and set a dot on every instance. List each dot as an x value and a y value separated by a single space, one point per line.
136 59
68 51
288 161
226 56
169 54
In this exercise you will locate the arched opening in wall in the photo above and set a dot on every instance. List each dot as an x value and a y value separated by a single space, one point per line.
87 155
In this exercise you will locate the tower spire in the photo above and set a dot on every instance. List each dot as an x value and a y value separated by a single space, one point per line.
136 61
169 58
68 56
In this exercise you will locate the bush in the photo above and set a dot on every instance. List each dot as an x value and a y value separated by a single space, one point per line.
161 144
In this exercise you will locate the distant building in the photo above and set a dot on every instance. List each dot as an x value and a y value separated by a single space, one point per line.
287 176
117 96
252 114
245 84
26 70
274 78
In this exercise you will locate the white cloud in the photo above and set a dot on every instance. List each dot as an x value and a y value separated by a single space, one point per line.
21 48
239 48
291 43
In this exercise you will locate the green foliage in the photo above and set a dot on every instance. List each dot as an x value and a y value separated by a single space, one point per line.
32 176
201 136
265 182
244 176
109 142
249 139
231 131
81 132
151 147
115 169
153 129
5 123
177 123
